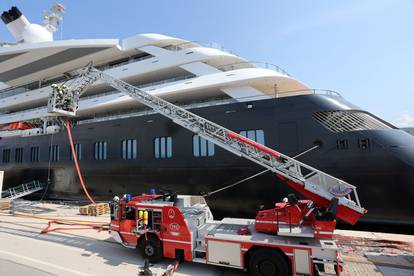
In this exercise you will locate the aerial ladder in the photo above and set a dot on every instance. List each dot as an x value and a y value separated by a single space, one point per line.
322 189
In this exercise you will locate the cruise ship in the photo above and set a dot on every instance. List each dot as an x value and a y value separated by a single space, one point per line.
123 147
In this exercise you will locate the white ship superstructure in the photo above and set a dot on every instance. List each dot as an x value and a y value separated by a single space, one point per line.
178 70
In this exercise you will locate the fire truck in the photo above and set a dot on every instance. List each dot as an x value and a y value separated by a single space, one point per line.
293 238
182 227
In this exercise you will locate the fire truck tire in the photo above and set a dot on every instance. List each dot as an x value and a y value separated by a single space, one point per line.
268 262
151 249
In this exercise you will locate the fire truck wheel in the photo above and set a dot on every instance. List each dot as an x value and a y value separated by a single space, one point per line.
151 249
268 262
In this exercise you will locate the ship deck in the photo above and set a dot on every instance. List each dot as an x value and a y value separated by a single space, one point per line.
25 251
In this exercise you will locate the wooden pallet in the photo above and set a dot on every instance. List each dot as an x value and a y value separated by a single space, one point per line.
94 209
5 204
84 210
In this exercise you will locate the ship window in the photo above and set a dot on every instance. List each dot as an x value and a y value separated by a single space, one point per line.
129 149
54 153
363 143
78 151
202 147
348 120
163 147
6 155
255 135
34 154
100 150
342 144
18 157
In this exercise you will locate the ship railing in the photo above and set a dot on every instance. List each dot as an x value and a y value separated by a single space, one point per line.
315 92
11 91
252 64
136 113
107 93
25 111
6 44
22 190
171 80
14 91
208 102
200 104
194 44
291 93
225 68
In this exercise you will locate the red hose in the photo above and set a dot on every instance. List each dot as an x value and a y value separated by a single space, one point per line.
86 226
75 159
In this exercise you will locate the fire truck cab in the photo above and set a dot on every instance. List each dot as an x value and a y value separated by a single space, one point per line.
182 227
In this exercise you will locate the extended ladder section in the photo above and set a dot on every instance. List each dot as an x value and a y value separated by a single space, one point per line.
22 190
314 184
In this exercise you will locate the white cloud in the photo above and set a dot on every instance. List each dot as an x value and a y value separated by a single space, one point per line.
405 119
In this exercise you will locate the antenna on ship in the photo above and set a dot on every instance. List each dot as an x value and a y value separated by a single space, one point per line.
54 17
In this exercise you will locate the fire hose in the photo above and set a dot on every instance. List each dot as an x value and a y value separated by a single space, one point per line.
75 159
85 226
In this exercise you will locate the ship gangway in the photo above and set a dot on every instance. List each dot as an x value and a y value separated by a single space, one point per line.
22 190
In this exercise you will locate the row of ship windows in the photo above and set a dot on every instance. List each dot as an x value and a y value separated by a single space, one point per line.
162 148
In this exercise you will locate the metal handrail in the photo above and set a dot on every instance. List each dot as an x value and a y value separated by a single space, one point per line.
24 111
139 86
252 98
23 188
252 64
16 90
11 91
316 91
106 94
193 44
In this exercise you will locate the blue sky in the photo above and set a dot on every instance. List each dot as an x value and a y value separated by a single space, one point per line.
363 49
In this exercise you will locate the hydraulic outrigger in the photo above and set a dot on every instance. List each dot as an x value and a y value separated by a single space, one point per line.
329 197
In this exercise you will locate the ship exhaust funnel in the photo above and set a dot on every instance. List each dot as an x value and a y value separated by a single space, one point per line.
26 32
16 22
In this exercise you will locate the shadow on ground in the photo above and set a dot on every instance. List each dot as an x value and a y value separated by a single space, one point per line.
113 253
30 207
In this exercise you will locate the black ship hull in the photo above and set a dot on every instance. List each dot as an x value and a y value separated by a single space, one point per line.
381 168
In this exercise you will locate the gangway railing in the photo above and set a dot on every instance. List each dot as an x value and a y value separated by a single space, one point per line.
312 183
22 190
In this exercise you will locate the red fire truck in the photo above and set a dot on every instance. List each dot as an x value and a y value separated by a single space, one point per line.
294 238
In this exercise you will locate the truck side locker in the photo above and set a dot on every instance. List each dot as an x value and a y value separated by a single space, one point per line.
302 261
